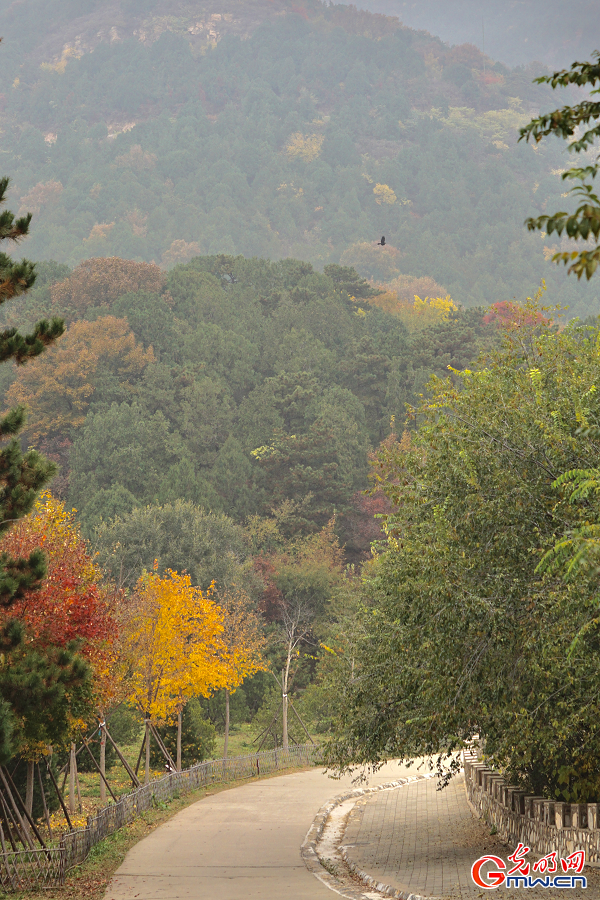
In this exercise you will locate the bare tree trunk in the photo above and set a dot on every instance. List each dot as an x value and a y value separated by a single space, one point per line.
147 778
179 727
284 680
102 763
29 786
72 764
45 805
226 747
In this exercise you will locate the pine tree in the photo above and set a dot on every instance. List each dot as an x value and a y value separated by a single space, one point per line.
22 475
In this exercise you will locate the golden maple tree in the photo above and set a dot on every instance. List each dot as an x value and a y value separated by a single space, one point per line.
172 636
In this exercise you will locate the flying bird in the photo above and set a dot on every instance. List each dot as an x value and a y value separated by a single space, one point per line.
381 243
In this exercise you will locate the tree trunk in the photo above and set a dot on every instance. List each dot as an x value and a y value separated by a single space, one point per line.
29 787
102 763
147 778
226 747
79 807
72 764
284 717
179 726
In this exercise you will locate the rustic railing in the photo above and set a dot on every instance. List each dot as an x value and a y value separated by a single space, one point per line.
37 869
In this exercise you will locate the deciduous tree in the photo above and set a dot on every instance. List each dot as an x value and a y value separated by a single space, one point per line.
71 609
584 223
71 604
101 356
463 634
99 282
172 637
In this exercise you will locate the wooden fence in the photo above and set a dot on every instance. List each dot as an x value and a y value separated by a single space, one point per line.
37 869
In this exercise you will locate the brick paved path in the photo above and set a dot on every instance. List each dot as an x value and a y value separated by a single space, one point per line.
423 841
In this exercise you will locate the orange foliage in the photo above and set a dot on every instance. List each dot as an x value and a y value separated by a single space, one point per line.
58 386
511 315
101 281
42 193
181 252
466 55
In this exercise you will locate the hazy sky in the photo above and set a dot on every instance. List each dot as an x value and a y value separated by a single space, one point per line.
555 32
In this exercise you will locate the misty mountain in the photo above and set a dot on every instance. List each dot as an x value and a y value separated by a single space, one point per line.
516 32
159 131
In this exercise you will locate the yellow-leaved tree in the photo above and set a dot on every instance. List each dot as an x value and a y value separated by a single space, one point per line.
304 146
400 299
173 639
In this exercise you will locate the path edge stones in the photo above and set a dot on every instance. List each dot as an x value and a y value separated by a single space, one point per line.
315 864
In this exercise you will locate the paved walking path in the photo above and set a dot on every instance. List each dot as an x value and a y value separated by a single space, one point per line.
244 844
241 844
422 841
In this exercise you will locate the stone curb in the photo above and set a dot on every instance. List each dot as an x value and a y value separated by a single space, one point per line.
315 864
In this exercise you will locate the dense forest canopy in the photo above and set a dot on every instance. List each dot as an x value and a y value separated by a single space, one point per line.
248 387
159 132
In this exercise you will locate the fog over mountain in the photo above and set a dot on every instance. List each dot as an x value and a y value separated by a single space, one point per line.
515 32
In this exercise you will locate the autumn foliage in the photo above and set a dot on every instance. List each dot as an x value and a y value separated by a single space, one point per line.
507 314
57 388
242 638
402 300
171 635
71 604
98 282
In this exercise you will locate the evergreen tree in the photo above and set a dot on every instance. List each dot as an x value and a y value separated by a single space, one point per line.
22 475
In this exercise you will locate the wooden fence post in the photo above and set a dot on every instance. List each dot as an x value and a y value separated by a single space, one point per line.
72 764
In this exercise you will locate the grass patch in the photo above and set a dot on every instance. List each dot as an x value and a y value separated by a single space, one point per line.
90 880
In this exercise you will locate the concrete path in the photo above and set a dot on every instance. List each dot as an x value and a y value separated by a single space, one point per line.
240 844
422 841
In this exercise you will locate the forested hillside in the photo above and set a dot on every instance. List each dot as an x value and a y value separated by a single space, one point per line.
233 355
159 131
247 387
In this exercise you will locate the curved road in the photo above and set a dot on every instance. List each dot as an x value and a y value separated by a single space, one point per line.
241 844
